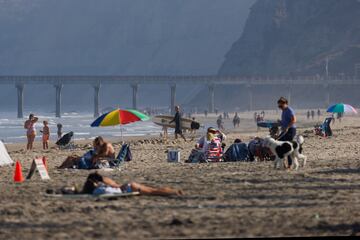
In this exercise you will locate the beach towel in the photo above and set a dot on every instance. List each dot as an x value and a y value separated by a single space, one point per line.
237 152
92 196
5 159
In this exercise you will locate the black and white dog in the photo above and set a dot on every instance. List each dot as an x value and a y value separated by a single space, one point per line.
282 150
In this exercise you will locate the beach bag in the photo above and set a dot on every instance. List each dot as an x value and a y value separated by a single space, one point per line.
237 152
195 125
125 154
196 156
174 156
102 165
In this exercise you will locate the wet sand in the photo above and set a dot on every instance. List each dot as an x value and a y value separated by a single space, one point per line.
221 200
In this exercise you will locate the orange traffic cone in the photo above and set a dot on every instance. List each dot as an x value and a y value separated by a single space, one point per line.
18 176
45 163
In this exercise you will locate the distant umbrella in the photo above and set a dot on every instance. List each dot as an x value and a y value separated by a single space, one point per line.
341 108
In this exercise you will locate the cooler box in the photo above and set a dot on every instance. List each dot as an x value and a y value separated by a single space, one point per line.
173 156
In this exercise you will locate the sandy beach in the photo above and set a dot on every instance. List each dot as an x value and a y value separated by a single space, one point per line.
221 199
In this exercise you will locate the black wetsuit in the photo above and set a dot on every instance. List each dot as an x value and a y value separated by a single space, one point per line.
177 120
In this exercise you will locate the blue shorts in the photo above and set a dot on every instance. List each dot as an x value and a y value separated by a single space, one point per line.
126 188
104 189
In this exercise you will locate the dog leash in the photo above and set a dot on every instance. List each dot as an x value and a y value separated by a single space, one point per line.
281 135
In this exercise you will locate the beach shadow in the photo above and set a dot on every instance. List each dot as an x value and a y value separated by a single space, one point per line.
285 181
315 188
324 226
23 225
272 197
341 171
232 206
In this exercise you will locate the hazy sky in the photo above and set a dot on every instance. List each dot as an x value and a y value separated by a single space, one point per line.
115 37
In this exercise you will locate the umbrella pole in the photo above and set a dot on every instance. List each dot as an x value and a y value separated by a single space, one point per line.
121 135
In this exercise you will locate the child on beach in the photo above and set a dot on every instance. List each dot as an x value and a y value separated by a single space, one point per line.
46 135
165 132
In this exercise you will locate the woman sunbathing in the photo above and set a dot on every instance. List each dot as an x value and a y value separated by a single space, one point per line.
97 184
102 150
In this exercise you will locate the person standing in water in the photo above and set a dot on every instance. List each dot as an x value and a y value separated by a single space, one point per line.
29 125
288 120
177 120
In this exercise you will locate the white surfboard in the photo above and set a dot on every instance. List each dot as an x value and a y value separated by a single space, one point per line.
164 120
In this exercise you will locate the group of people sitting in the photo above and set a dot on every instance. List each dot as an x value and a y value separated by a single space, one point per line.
103 153
211 148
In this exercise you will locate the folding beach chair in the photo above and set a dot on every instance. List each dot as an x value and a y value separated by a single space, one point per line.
66 141
324 129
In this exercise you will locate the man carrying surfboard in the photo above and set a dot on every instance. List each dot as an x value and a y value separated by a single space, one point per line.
177 120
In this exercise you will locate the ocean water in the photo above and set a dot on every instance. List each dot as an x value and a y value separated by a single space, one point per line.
12 130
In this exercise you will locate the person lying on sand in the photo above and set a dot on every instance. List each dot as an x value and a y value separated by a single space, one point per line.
102 150
97 184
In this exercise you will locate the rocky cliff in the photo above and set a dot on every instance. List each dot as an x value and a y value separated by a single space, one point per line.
296 37
293 37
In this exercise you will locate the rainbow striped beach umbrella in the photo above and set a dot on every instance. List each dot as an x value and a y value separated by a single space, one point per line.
119 117
341 108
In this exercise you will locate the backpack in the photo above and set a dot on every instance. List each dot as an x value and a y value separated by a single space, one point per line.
237 152
195 125
196 157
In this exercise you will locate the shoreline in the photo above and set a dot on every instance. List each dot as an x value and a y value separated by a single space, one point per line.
247 126
247 131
